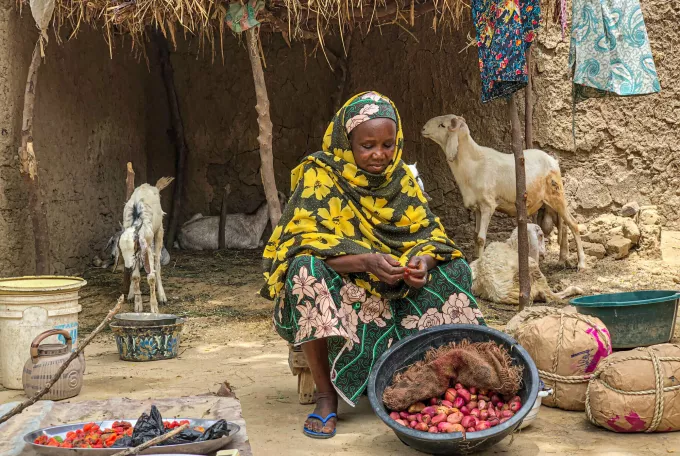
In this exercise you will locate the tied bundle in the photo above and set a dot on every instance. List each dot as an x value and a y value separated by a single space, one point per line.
567 348
637 391
483 364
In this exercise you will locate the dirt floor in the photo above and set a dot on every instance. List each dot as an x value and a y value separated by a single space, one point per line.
228 337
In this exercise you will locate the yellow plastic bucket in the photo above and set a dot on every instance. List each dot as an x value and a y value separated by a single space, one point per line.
28 307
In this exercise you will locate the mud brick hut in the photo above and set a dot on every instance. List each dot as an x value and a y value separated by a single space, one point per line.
101 101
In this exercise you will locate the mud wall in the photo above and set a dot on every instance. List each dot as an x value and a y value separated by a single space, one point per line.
89 121
627 149
217 101
425 79
95 113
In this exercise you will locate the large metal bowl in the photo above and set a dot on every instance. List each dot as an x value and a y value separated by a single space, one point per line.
412 349
145 319
197 448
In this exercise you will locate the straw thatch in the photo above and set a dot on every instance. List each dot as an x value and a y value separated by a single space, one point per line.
294 19
205 19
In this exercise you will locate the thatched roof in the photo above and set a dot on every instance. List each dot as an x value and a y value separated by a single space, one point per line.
294 19
205 19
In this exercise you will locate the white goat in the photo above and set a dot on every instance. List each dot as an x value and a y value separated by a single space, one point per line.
486 179
495 276
142 242
416 175
242 231
108 256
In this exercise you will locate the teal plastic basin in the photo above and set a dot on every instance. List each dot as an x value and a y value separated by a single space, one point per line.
634 319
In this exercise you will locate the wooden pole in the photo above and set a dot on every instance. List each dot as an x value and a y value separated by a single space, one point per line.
520 204
37 207
222 239
265 123
129 189
129 182
155 441
28 402
177 125
528 106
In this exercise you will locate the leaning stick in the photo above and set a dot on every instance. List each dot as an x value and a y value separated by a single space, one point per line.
27 403
152 442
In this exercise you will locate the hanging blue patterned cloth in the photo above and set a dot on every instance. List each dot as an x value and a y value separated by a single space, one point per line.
609 52
505 30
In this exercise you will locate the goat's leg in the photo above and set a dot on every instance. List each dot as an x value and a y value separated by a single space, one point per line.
484 220
562 241
569 291
566 217
151 279
135 290
158 244
153 303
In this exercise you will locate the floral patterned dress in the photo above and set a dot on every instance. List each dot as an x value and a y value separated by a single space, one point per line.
319 303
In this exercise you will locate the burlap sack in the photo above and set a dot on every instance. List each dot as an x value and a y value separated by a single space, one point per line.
637 391
485 365
567 348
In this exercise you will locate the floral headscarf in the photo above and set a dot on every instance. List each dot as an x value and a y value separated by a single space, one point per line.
338 209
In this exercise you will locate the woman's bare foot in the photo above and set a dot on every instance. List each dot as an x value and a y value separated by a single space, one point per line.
326 403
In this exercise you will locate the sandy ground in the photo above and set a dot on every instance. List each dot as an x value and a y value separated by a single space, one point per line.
228 337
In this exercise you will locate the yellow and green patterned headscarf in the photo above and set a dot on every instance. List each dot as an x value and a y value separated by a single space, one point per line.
338 209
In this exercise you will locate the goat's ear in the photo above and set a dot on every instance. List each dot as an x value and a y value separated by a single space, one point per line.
451 149
454 124
457 123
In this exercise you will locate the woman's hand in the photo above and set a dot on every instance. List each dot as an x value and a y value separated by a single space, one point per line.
384 267
416 274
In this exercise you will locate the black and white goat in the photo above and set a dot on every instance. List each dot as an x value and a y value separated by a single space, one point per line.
142 242
108 256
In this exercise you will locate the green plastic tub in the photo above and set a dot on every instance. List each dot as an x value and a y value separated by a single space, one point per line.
634 319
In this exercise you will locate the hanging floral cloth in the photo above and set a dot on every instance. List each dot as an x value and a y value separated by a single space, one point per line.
505 30
609 52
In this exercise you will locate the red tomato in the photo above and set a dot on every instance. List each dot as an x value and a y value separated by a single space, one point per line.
52 442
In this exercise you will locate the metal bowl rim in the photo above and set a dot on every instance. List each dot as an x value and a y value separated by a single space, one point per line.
479 436
31 436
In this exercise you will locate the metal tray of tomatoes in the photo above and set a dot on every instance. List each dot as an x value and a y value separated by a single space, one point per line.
194 448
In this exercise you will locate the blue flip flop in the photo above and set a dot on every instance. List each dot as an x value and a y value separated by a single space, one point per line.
320 435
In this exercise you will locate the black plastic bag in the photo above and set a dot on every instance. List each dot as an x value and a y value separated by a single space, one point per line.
123 442
216 431
186 436
148 427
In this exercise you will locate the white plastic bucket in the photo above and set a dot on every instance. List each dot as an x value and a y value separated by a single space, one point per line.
28 307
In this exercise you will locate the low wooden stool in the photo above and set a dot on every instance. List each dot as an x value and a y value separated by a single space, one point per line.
298 366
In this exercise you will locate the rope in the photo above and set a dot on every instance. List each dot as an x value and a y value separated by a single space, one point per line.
658 391
552 376
562 379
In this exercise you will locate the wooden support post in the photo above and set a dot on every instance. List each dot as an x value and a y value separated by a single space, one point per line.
299 367
129 189
129 182
265 123
29 171
221 235
528 106
181 148
520 204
